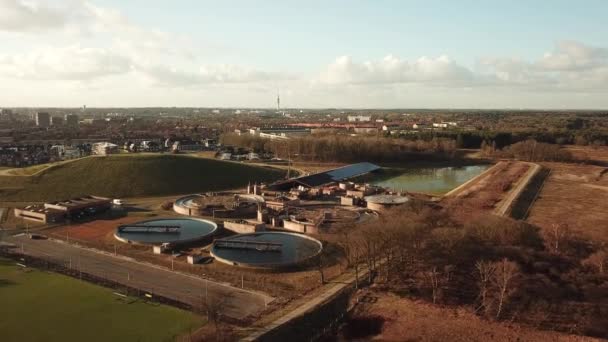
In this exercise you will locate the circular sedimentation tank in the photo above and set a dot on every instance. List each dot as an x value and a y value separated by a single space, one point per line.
166 230
266 250
381 202
197 204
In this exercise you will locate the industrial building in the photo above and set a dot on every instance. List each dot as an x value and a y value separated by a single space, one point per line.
104 148
53 212
359 118
43 119
328 177
57 121
280 132
71 120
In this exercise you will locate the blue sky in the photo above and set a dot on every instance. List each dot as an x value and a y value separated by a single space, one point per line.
475 54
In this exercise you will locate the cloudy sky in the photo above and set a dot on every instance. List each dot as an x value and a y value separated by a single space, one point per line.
331 53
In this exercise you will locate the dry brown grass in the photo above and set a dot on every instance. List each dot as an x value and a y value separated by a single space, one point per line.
589 153
482 195
400 319
576 195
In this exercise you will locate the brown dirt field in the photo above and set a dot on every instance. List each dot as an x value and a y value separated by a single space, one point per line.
399 319
93 231
483 195
576 195
589 153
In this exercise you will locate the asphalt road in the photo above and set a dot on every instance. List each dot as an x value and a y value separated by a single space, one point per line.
236 303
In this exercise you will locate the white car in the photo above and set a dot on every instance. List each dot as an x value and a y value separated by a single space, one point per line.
117 201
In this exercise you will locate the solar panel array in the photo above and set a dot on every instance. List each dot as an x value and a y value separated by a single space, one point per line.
351 171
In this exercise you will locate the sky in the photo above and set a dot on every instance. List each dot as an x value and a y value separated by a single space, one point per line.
545 54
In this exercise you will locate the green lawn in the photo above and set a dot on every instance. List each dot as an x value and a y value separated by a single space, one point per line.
41 306
133 176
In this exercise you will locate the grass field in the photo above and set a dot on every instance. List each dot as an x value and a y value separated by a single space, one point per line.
132 176
40 306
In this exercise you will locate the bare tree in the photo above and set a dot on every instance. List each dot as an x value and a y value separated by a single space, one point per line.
502 280
556 236
320 267
437 281
432 277
215 307
485 272
597 260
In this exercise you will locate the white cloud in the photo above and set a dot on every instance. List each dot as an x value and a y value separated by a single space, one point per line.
208 74
570 66
573 56
69 63
96 44
391 69
19 16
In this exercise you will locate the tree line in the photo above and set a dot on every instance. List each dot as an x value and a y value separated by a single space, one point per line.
338 148
500 268
528 150
474 139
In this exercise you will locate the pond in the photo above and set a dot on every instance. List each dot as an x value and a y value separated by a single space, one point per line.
434 180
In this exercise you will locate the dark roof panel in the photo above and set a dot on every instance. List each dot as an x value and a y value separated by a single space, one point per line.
331 176
352 170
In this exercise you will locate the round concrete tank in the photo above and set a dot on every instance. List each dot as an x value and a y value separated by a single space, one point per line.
384 202
167 230
266 250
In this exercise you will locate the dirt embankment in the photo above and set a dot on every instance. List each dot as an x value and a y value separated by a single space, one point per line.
487 192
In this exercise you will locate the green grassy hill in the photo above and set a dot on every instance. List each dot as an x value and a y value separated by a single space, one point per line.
131 176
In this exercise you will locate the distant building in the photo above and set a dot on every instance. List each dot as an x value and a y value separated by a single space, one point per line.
71 120
43 119
280 132
359 118
57 121
104 148
210 143
6 114
420 126
392 127
365 129
445 124
58 211
62 152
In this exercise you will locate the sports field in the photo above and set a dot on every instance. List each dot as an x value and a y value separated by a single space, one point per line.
41 306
